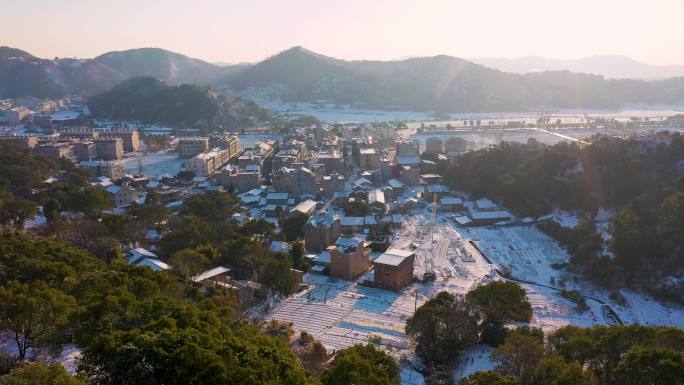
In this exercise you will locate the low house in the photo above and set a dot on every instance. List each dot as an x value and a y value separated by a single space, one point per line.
393 269
486 218
449 203
306 207
144 258
349 258
320 231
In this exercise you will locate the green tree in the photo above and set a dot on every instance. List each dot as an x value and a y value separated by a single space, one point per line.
642 366
17 212
297 255
488 377
500 302
51 210
278 275
187 263
519 355
41 374
35 314
293 226
361 365
555 370
443 327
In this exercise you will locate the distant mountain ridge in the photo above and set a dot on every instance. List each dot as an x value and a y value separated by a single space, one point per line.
440 84
22 74
609 66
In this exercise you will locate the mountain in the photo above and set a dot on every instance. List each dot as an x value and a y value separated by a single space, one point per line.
610 66
440 83
150 100
22 74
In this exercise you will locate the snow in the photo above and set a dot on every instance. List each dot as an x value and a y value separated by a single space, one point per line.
410 376
68 357
473 359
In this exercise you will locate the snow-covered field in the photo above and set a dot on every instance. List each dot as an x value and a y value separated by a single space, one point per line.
341 313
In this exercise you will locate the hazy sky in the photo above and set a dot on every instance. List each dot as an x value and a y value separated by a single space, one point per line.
249 30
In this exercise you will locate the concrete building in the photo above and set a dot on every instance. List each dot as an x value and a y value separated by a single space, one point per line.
393 269
349 258
207 163
406 148
332 183
23 142
130 138
434 145
111 169
320 231
455 146
56 150
109 148
369 159
123 195
189 147
85 150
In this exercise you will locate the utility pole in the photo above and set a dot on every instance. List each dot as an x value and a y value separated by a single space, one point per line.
325 300
415 304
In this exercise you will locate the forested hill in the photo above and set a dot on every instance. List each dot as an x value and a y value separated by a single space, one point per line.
151 100
641 180
441 83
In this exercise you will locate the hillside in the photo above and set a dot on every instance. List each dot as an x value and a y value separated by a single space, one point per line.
22 74
441 83
151 100
610 66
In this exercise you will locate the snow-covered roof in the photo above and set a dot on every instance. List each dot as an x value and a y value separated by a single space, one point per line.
280 246
408 160
498 214
276 196
450 201
485 204
113 189
210 273
154 264
305 207
352 221
393 257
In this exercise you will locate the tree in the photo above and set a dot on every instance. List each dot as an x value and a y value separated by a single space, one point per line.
361 365
642 366
187 263
500 302
51 210
297 255
293 226
41 374
211 206
278 275
488 377
442 327
519 355
555 370
17 212
34 313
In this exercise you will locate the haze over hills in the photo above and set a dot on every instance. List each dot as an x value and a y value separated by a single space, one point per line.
610 66
430 84
441 83
22 74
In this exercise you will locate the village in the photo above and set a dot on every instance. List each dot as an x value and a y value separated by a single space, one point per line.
382 232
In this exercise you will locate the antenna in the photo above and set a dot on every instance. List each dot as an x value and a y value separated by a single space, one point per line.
434 215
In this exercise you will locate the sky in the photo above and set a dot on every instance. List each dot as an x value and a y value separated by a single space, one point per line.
251 30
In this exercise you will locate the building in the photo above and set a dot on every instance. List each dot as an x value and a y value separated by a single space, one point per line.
14 116
23 142
369 159
406 148
56 150
130 138
349 258
216 276
393 269
207 163
455 146
123 195
306 207
332 162
242 180
189 147
333 183
85 150
109 148
376 201
111 169
434 145
303 182
320 231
